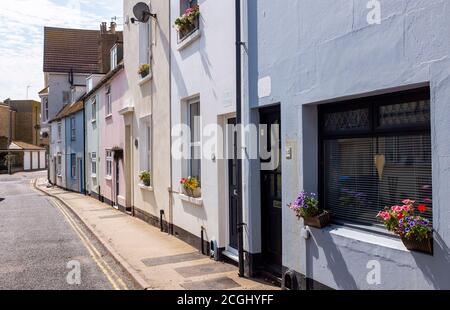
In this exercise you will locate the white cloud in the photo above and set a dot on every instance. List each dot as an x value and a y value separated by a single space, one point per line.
21 37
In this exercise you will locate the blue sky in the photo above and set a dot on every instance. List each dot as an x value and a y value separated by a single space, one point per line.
21 37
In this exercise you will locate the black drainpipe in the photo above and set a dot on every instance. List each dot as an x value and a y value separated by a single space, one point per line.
239 122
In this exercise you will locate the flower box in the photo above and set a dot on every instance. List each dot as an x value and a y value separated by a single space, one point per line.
415 231
320 221
196 193
424 246
306 206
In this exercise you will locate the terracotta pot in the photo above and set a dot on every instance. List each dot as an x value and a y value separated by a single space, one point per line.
425 246
320 221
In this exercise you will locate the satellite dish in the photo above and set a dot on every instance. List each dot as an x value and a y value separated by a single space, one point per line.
142 12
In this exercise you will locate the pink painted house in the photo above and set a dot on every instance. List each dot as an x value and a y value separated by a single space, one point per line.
112 138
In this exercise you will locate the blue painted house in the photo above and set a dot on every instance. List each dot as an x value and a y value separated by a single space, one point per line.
70 163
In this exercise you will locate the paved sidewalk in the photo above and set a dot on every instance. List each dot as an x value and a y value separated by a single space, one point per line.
156 260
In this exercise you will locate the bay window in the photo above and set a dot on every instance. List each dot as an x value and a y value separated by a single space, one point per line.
375 153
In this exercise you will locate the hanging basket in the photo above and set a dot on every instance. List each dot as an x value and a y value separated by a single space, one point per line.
320 221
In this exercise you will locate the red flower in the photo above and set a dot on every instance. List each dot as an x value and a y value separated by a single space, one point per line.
422 208
400 216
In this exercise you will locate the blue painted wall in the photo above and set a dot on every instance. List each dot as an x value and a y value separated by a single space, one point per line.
74 148
324 51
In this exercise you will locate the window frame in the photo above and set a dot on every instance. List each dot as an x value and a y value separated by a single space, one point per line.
194 144
109 163
59 165
94 110
73 166
59 133
144 43
108 99
73 128
94 164
373 104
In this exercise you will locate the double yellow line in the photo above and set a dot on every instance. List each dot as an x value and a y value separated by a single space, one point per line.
116 282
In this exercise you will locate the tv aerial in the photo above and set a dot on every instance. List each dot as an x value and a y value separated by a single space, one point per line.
142 13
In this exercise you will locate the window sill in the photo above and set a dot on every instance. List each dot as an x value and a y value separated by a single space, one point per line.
93 176
146 79
146 188
367 237
108 117
195 201
60 176
108 178
93 121
189 40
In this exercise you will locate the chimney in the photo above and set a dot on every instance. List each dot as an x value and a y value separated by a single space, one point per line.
112 28
103 28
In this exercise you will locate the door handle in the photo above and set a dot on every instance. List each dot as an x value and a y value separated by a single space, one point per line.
235 192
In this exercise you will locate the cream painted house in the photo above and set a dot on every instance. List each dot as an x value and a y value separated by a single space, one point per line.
146 112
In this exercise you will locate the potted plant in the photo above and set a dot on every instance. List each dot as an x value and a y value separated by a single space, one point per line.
307 207
187 22
415 231
146 178
144 70
191 187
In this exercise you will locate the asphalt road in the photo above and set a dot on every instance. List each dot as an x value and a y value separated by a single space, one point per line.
44 247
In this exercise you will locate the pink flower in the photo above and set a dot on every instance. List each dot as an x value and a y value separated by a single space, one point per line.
397 209
408 202
384 215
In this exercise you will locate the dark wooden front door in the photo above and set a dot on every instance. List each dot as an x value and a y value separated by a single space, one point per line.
233 186
271 196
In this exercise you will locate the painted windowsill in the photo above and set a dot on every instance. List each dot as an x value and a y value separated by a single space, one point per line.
146 188
367 237
108 178
93 176
108 116
93 121
194 201
146 79
189 40
60 176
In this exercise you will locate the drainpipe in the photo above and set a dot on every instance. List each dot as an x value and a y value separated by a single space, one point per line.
171 223
238 123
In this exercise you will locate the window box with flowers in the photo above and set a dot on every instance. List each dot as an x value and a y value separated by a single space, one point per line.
306 206
415 231
146 179
191 187
144 71
187 26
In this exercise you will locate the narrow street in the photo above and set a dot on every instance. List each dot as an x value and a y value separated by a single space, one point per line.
42 246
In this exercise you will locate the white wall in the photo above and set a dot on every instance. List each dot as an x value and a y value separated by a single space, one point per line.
206 69
150 101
